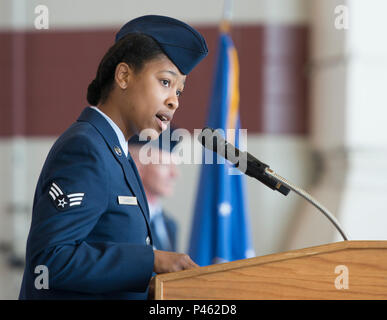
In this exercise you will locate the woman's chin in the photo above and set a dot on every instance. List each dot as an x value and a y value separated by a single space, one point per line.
149 134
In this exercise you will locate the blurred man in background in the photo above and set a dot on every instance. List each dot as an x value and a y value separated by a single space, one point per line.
158 178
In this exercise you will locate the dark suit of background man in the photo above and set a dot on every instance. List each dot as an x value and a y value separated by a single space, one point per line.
159 180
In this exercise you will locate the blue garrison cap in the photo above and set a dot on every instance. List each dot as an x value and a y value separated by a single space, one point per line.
164 141
183 45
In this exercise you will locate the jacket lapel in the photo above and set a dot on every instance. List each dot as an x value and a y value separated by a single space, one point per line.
139 182
131 175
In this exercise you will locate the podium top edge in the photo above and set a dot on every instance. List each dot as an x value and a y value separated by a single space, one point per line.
288 255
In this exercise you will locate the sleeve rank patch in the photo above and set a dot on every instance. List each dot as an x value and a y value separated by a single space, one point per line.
63 201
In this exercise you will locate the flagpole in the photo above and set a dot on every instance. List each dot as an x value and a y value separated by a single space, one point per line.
228 7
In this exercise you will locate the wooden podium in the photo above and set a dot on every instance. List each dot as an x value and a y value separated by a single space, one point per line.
341 270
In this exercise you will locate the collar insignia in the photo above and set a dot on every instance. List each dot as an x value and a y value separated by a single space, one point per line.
118 150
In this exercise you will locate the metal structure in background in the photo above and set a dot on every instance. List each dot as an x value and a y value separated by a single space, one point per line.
19 206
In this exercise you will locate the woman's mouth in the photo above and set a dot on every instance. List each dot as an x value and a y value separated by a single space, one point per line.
162 122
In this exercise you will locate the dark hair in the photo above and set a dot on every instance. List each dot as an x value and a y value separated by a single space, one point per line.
135 49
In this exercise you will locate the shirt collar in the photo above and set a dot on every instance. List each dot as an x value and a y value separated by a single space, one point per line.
117 130
154 209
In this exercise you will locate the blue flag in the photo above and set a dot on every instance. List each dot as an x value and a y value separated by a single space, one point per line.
220 228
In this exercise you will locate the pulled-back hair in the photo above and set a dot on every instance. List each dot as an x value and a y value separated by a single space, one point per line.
135 49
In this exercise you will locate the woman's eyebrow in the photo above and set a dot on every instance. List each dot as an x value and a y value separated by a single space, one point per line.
172 73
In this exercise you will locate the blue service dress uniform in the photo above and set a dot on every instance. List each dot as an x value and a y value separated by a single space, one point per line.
90 224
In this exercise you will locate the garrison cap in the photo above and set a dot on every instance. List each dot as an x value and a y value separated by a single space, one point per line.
183 45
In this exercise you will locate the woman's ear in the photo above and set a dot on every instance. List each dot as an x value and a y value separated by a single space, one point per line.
122 75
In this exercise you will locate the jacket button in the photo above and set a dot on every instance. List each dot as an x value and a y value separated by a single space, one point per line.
147 240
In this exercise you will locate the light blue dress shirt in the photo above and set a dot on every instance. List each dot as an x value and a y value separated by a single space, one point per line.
117 130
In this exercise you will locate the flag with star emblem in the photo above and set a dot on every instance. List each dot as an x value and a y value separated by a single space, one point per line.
220 230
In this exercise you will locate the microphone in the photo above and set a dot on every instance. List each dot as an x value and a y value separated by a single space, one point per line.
243 161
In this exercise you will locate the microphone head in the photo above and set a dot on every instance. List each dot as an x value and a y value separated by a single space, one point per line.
206 133
212 140
243 161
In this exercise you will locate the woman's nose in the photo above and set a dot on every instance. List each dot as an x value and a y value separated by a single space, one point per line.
173 102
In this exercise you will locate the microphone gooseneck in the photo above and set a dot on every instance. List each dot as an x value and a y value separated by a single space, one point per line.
248 164
310 199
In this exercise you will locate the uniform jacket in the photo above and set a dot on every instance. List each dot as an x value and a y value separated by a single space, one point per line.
90 221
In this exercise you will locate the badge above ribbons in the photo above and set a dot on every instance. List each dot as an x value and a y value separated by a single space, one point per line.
63 201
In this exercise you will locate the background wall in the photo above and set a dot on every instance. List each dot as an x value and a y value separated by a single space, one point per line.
348 70
295 95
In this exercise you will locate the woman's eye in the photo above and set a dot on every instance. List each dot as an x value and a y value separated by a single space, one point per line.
165 82
179 93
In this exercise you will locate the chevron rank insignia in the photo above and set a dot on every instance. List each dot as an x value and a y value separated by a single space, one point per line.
63 201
